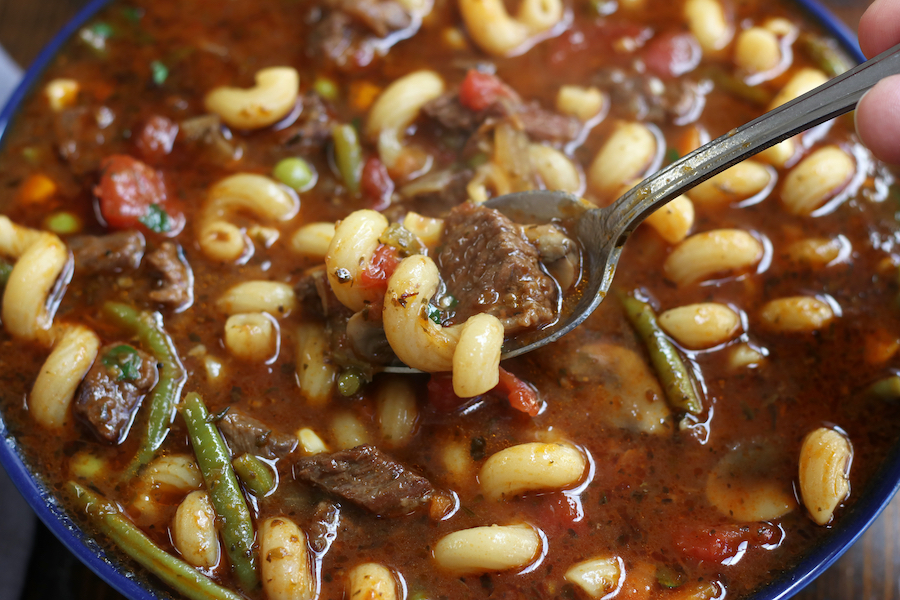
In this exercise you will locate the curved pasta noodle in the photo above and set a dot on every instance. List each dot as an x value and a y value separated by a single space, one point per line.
496 32
253 336
476 359
194 531
415 339
60 375
397 107
264 104
313 239
803 81
626 156
371 581
530 467
796 314
816 179
258 195
556 170
673 221
706 254
41 259
709 24
286 571
273 297
484 549
825 459
703 325
166 475
355 239
598 576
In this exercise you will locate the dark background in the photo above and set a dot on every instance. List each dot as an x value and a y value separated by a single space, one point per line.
869 571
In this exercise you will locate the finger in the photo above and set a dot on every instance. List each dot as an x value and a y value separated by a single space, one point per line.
879 27
878 120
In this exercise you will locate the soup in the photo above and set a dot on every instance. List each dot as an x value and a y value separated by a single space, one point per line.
226 225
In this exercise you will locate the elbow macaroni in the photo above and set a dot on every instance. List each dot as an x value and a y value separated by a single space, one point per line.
258 195
530 467
496 32
355 239
397 107
486 549
264 104
60 375
285 561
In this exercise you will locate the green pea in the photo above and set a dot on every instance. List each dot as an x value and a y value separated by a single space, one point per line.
63 223
350 382
326 88
295 173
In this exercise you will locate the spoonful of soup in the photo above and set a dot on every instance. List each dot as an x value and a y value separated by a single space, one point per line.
602 232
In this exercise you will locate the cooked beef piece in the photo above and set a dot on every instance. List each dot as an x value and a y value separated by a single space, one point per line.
113 388
433 194
176 287
112 253
645 97
490 267
539 123
365 476
324 526
83 135
542 124
313 126
447 110
245 434
381 17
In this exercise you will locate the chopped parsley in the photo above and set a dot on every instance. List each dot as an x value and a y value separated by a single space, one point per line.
156 219
433 313
160 72
123 362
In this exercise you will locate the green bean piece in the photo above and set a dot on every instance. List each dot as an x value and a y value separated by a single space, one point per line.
148 329
254 474
736 87
670 369
295 173
224 492
5 271
185 579
348 155
823 54
884 389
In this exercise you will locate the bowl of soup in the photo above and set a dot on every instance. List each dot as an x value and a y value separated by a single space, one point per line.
254 305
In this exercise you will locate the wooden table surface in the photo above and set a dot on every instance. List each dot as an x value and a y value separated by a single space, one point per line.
870 570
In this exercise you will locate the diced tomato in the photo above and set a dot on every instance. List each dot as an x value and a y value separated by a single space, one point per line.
156 138
480 90
718 543
132 194
672 54
384 261
521 396
377 185
559 513
441 394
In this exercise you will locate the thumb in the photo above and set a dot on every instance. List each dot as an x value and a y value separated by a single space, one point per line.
878 119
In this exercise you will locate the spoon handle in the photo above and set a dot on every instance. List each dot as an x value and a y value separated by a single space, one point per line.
833 98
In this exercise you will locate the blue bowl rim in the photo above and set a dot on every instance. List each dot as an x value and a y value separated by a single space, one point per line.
881 489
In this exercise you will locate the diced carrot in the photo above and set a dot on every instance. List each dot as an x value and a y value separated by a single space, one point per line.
363 94
880 346
36 189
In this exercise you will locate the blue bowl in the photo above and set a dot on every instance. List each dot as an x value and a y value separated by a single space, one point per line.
119 575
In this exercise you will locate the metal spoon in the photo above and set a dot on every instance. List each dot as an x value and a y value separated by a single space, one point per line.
602 232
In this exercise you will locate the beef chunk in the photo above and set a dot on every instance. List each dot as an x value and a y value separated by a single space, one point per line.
539 123
112 390
83 136
351 33
645 97
490 267
176 288
112 253
323 527
245 434
313 126
447 110
381 17
542 124
365 476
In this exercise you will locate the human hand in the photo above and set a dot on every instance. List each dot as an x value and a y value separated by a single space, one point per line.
878 113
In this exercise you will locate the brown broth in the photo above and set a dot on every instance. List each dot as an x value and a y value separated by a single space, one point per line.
644 489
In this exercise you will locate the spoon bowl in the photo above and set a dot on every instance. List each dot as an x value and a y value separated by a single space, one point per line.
602 232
